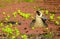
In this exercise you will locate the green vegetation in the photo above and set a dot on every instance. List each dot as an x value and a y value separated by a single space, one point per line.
1 24
7 18
26 16
17 32
7 29
29 0
24 36
14 14
58 17
57 23
47 12
48 35
10 24
10 31
13 37
52 16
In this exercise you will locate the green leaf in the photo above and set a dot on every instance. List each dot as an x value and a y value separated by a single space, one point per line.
1 24
48 35
17 31
8 30
29 0
47 11
56 22
51 17
24 36
58 17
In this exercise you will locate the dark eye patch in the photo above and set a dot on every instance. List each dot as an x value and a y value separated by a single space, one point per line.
38 13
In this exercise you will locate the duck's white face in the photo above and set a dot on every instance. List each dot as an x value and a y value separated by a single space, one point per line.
40 15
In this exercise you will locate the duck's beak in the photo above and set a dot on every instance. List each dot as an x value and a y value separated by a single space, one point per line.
39 13
44 18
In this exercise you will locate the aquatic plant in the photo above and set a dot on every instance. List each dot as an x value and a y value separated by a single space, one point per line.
7 18
48 35
7 29
14 14
29 0
24 36
52 16
10 24
57 23
1 24
13 37
17 31
47 12
26 16
58 17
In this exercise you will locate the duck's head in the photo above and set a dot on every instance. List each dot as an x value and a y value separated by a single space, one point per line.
39 14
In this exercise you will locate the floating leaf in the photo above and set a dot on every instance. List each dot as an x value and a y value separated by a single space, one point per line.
7 29
56 22
52 16
1 24
19 11
48 35
14 14
8 16
58 17
47 11
13 37
10 24
26 16
24 36
29 0
6 19
17 31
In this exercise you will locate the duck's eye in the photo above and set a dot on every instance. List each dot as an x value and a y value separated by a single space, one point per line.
38 13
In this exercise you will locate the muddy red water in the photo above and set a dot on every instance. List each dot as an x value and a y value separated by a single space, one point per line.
52 6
